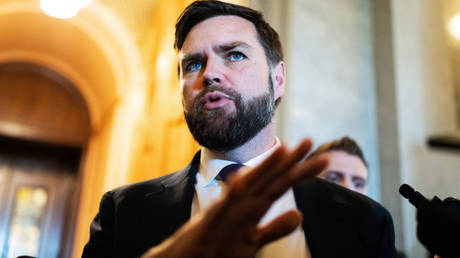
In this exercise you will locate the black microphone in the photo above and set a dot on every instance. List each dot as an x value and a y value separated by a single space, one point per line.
414 197
438 225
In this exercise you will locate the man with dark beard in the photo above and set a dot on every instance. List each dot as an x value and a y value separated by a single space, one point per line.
232 76
248 119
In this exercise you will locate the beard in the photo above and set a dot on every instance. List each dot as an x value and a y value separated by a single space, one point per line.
219 131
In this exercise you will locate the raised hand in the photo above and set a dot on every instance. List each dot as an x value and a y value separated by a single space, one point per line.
230 228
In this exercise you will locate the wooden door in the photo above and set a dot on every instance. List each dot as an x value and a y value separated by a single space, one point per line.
44 126
37 185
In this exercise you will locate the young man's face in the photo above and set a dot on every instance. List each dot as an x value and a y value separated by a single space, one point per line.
228 89
346 170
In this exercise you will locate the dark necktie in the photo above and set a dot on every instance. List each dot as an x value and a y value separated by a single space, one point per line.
227 170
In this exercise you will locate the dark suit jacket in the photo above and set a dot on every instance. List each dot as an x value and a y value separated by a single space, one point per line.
337 222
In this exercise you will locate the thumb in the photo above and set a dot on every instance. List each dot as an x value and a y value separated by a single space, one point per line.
279 227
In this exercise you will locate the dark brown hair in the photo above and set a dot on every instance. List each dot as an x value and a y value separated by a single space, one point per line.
345 144
199 11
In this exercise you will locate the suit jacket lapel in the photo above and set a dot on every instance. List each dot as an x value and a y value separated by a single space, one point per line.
166 209
326 217
326 221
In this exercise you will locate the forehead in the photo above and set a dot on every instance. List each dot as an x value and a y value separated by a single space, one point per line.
218 30
346 163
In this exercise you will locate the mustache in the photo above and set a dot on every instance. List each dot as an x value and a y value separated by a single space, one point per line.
231 93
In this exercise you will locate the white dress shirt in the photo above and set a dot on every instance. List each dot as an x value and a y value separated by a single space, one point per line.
208 190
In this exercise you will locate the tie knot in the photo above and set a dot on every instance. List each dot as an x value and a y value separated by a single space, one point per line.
227 170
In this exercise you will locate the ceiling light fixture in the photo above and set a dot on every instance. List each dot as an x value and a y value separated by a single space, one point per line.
454 26
63 8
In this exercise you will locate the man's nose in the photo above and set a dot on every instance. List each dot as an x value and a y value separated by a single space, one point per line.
213 71
347 183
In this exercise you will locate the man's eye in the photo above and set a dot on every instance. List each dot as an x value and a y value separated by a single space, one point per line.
236 56
194 66
333 177
359 183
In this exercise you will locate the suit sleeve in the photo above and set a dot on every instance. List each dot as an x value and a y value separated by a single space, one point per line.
101 239
386 246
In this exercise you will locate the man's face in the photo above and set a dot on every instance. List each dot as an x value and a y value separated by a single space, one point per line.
346 170
228 90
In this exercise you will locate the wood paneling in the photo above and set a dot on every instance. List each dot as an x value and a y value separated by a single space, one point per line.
37 103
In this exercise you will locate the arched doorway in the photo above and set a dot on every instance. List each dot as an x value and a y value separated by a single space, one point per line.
44 130
132 137
95 53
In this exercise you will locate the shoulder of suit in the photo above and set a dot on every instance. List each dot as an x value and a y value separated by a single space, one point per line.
324 191
145 187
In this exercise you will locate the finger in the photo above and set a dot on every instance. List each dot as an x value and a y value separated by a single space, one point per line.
243 189
234 203
279 227
269 175
307 169
245 182
250 197
268 163
234 177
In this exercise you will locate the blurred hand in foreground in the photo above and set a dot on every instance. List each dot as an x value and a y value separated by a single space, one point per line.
230 228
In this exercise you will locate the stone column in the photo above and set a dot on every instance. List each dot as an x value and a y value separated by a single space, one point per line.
425 106
330 85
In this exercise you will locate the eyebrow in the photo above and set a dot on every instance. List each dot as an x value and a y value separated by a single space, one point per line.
336 172
192 56
232 45
221 48
358 178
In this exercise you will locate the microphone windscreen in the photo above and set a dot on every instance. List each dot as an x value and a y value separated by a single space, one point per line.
406 191
414 197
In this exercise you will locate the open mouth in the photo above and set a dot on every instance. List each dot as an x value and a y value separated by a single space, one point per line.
215 99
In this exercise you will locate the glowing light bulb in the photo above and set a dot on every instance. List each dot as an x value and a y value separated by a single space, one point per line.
454 26
63 8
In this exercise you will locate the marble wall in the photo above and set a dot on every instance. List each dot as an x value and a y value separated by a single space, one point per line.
425 101
451 9
330 84
378 71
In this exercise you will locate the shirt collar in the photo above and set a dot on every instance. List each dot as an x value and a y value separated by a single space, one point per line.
210 165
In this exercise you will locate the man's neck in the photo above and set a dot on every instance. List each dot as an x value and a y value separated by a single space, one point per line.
260 143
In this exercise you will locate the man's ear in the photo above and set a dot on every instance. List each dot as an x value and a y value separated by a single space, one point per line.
279 79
